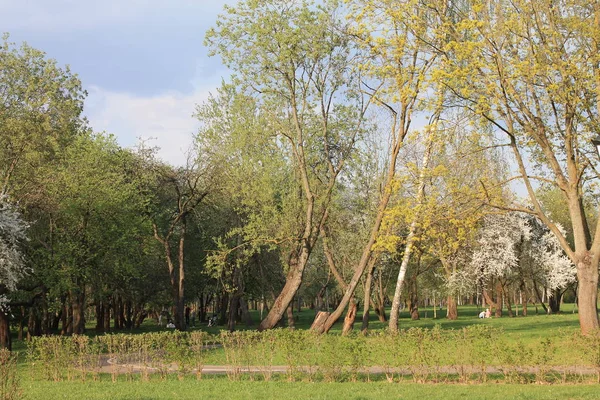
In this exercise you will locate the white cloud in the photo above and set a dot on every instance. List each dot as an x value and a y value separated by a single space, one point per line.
166 118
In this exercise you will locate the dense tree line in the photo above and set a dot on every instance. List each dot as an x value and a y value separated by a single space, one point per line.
361 155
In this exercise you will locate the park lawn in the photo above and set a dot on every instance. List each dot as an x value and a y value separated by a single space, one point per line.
220 388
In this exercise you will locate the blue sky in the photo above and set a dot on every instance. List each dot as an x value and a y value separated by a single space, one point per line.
142 61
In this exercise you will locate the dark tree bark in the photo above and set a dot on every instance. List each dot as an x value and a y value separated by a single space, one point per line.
99 316
5 340
554 301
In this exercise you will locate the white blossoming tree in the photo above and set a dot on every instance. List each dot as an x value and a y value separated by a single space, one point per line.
12 267
516 248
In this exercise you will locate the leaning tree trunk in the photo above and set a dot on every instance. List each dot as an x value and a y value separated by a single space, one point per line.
412 237
292 284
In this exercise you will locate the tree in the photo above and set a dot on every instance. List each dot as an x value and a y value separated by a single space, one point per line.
295 60
530 68
12 265
514 247
399 70
40 107
172 196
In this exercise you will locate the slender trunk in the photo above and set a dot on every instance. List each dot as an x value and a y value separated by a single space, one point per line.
412 236
21 323
180 318
77 297
367 298
539 297
506 296
554 301
99 316
106 306
290 317
5 341
223 320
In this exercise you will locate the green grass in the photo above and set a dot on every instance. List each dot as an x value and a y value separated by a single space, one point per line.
221 388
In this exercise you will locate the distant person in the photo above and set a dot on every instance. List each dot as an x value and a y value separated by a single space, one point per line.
488 313
482 314
212 321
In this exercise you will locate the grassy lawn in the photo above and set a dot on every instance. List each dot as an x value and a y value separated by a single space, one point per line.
221 388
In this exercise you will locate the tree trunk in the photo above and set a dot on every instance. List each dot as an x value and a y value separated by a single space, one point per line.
77 297
350 317
290 316
292 283
554 301
412 236
234 301
499 298
587 296
5 341
452 309
367 298
413 306
180 300
245 313
223 317
21 322
320 319
106 307
99 316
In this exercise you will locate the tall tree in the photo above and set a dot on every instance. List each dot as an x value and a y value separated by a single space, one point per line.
399 68
12 267
295 59
530 68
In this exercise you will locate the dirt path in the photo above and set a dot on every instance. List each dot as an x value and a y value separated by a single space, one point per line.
112 365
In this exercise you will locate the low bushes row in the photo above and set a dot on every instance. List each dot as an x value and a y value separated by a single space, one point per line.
470 354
